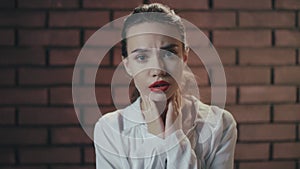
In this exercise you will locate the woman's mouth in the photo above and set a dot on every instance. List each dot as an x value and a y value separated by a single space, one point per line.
159 86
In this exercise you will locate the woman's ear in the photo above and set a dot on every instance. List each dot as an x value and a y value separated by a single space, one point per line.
186 54
126 65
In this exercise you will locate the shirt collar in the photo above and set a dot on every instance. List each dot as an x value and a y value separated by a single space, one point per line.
133 115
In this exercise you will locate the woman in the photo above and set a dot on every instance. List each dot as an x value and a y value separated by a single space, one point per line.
163 127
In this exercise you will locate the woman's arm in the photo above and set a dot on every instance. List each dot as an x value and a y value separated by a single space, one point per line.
180 154
224 150
108 147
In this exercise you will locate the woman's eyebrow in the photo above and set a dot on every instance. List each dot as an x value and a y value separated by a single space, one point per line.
169 46
140 50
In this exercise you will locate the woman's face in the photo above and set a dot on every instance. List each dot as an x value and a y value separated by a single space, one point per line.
155 61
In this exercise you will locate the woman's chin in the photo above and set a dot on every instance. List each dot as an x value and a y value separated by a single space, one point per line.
158 96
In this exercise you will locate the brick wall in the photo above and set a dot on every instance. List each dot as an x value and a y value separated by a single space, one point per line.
258 42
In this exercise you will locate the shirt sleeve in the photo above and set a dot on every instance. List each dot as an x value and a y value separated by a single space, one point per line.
107 147
224 150
179 152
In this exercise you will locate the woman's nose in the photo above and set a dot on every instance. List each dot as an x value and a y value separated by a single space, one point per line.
157 67
157 72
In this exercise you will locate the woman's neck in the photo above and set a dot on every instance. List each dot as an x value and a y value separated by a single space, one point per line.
162 107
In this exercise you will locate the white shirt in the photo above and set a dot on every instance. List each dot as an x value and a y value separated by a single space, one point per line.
206 141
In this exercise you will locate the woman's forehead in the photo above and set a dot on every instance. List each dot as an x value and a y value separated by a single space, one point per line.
153 28
152 40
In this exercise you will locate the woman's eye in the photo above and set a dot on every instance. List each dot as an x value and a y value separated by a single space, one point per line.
141 58
168 54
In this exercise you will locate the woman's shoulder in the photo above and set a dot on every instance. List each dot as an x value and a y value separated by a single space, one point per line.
213 116
122 119
110 120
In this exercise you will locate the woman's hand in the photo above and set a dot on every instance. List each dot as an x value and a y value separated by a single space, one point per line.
158 123
152 114
173 119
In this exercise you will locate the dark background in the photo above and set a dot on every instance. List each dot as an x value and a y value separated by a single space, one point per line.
258 42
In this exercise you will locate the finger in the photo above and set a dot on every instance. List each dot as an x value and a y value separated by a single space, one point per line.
170 114
158 107
154 122
151 113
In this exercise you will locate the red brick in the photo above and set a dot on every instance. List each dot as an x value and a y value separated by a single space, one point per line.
286 150
267 132
200 4
117 4
247 151
22 56
91 115
7 4
42 76
47 116
92 56
103 75
108 38
298 17
25 167
298 132
250 113
200 75
193 59
267 94
242 4
63 95
7 116
7 77
287 38
117 57
22 19
210 19
267 19
68 57
298 59
119 14
73 166
287 4
198 40
227 55
242 38
17 96
66 155
267 56
7 156
78 19
121 96
244 75
114 77
205 95
7 37
287 75
109 109
69 135
23 136
268 164
48 4
287 113
49 37
63 56
89 155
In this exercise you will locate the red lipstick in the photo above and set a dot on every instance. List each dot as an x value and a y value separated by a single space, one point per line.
159 86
